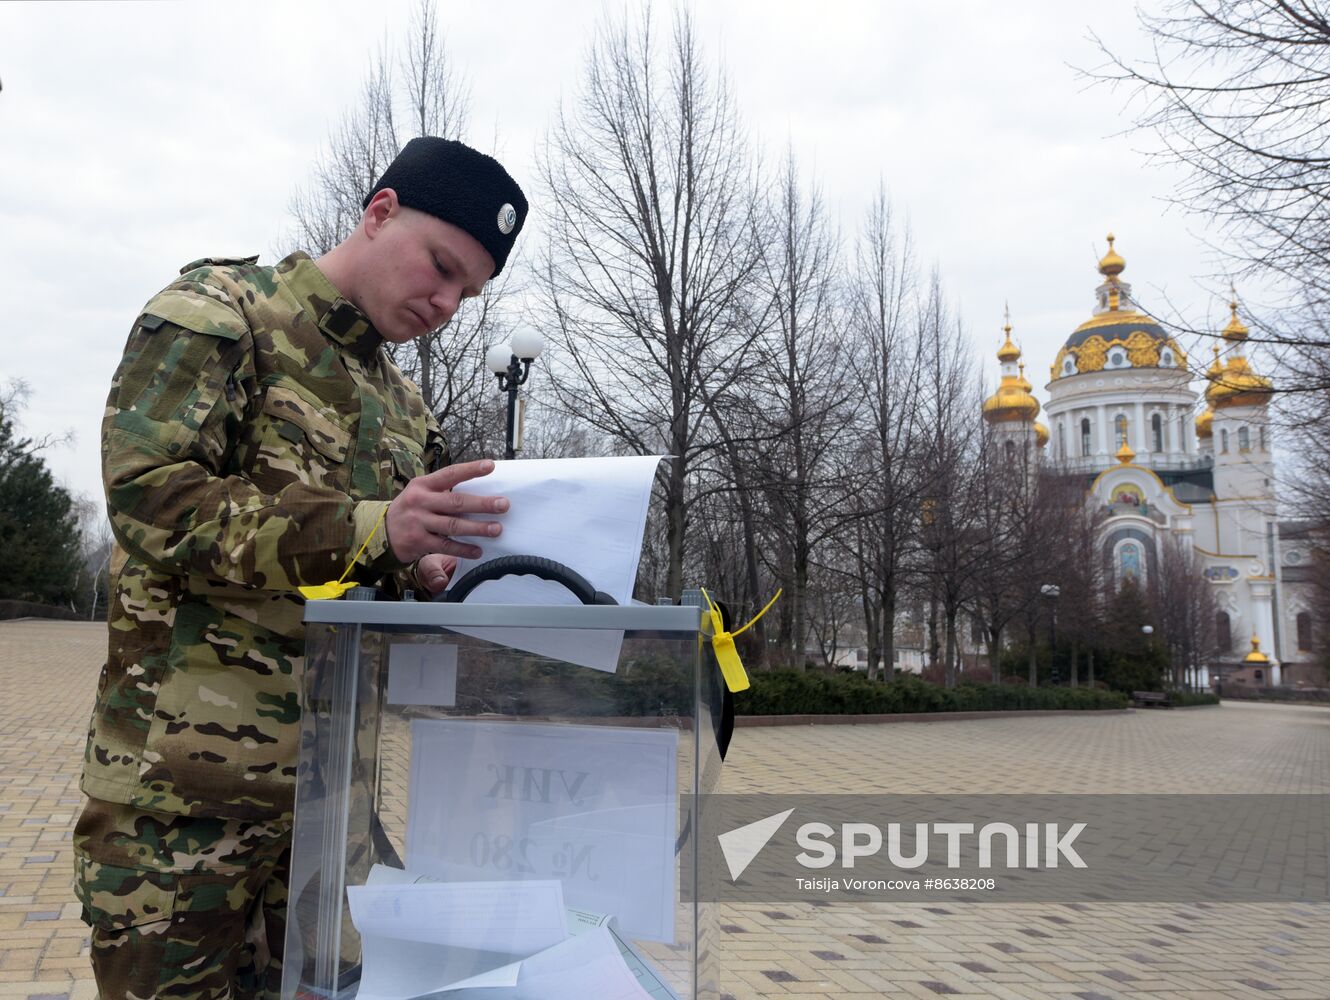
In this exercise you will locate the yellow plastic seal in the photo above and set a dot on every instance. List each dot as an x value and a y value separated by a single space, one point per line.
334 589
722 642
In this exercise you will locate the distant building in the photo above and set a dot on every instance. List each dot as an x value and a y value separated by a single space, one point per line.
1122 412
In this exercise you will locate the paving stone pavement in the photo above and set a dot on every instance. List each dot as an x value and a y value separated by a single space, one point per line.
1013 951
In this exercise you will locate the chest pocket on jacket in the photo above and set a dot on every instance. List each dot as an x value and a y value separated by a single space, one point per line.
403 461
300 442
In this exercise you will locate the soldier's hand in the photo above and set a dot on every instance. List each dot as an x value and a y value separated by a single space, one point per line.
434 571
428 516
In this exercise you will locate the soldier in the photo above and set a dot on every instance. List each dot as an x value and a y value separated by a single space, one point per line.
258 438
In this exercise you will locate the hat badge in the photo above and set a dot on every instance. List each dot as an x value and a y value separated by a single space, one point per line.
507 219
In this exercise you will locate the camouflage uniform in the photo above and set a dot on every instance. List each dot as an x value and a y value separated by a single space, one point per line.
254 433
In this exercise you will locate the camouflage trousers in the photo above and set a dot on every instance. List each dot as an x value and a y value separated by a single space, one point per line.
182 907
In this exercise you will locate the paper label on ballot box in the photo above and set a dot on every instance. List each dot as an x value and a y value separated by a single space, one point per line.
595 807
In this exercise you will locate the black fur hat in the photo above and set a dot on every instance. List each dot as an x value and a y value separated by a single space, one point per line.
457 184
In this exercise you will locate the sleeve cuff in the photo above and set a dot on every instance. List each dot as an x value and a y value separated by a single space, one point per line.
378 554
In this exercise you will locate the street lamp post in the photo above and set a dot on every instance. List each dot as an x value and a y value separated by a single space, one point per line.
1052 591
511 363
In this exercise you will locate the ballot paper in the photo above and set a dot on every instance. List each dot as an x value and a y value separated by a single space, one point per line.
593 806
511 918
582 921
588 965
587 513
593 961
419 936
578 968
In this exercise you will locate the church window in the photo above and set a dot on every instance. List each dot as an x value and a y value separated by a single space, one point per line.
1129 562
1223 441
1069 367
1062 440
1166 359
1244 439
1182 432
976 632
1261 432
1085 437
1116 359
1157 429
1259 675
1011 451
1304 631
1223 632
1120 429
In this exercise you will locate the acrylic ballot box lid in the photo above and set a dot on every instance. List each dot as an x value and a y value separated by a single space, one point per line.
499 802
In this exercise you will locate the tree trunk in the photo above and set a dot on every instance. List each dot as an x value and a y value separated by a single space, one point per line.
1034 664
933 644
994 654
1075 654
1089 666
675 525
887 622
953 650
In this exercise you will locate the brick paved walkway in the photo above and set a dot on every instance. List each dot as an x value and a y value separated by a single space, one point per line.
1018 952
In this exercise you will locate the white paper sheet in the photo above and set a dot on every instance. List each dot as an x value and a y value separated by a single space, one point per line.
583 921
422 674
594 960
587 513
589 965
594 806
513 918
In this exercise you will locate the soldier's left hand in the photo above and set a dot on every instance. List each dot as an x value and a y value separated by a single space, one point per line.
435 570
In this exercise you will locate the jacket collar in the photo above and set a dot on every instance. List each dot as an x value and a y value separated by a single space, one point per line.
321 300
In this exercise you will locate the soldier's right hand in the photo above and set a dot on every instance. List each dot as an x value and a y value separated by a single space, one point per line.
428 516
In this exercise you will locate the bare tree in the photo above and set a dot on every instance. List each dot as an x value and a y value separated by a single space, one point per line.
649 251
1186 606
951 440
1005 578
1238 91
802 388
884 486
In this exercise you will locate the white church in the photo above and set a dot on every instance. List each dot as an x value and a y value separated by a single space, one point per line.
1122 413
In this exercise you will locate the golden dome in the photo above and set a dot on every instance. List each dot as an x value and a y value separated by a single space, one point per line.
1125 454
1255 656
1112 264
1239 386
1139 338
1040 434
1010 402
1235 331
1203 422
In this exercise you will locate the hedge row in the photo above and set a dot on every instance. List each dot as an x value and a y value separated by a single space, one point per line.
789 692
1184 698
28 609
1242 692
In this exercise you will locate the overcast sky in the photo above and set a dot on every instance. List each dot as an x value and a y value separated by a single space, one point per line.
135 137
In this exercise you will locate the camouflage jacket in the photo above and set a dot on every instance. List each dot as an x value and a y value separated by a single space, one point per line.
254 432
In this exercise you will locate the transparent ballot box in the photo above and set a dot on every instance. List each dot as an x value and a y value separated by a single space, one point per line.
500 802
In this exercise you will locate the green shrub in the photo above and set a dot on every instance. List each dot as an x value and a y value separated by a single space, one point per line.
788 692
1185 698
